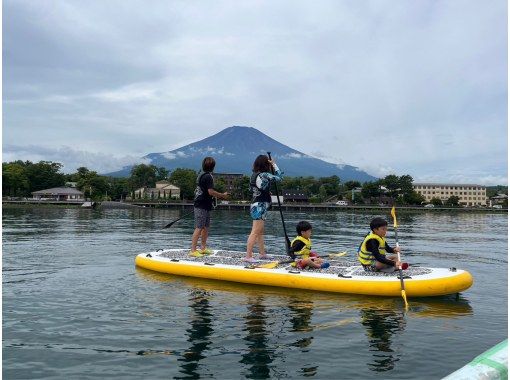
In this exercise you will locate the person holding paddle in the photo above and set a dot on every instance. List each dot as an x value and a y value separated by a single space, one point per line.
373 249
260 182
202 206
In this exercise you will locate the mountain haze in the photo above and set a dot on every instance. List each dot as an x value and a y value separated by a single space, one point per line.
235 148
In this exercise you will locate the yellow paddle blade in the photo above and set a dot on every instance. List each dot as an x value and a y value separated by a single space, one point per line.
339 254
271 265
405 298
394 217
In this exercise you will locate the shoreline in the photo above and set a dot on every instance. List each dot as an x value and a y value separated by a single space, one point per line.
246 206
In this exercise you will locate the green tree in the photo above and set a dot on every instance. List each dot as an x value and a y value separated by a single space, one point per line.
94 186
44 175
452 201
185 179
161 174
358 199
392 183
413 198
349 185
242 188
331 185
119 188
371 190
143 175
436 201
406 184
322 193
14 179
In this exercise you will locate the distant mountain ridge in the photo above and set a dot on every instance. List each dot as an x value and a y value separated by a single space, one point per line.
235 148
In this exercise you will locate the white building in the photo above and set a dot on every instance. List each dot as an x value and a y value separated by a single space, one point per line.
163 190
469 195
59 194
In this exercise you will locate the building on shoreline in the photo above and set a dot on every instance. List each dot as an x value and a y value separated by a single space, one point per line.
468 194
163 189
59 194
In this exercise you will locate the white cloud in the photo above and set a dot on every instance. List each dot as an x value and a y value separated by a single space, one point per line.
414 83
70 158
293 155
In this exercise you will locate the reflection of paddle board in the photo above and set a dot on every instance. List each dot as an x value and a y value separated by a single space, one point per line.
341 277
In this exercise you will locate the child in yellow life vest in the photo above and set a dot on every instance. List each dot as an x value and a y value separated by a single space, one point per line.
372 251
301 247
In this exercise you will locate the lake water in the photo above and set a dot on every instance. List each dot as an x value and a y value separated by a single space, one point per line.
75 306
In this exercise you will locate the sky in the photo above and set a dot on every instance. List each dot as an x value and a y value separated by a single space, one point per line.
390 86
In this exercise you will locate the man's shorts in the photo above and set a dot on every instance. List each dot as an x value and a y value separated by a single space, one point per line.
258 210
202 217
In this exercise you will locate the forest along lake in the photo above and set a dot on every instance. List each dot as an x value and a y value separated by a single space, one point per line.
75 306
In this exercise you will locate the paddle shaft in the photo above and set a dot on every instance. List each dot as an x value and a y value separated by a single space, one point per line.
287 240
401 275
176 220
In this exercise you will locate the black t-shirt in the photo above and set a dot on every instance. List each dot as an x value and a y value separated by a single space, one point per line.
373 246
297 246
202 198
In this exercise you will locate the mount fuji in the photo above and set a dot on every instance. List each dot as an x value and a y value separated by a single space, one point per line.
235 148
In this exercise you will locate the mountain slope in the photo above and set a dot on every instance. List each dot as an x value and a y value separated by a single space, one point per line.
235 148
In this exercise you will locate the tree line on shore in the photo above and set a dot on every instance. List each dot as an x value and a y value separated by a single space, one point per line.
21 178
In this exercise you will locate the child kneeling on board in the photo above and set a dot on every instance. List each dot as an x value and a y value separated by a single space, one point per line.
301 247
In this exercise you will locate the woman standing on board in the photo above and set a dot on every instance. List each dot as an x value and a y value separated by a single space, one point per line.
260 182
203 202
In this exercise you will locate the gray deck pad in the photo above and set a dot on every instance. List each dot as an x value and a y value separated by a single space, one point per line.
338 265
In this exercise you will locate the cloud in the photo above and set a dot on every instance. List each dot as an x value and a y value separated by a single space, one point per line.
70 158
419 83
293 155
174 155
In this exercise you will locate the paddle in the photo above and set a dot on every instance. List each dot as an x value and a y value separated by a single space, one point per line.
287 240
176 220
395 225
274 264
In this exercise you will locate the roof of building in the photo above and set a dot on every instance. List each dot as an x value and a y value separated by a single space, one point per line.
155 189
59 191
445 184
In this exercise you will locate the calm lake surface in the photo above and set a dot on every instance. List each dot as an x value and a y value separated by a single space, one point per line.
75 306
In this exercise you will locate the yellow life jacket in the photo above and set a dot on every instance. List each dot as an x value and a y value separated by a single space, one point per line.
366 257
305 251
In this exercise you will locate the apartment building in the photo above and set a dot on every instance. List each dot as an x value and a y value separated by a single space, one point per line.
469 195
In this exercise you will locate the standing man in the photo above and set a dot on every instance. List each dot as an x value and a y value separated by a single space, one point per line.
204 193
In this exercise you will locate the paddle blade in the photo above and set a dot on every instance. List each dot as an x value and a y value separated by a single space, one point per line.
271 265
394 215
171 224
405 298
339 254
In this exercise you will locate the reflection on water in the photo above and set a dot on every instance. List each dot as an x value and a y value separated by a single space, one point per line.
302 312
381 325
383 319
258 356
199 333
